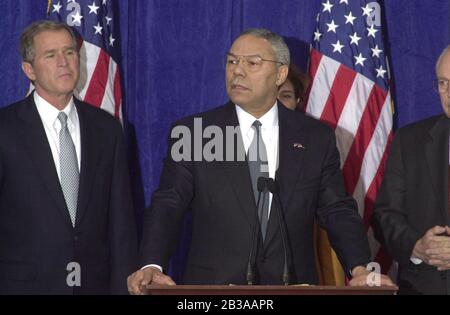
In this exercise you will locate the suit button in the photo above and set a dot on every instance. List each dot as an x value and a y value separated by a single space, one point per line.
75 238
443 275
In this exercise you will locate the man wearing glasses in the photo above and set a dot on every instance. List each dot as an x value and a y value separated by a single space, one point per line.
412 210
232 222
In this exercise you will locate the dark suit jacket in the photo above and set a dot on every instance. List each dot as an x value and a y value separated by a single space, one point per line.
37 239
223 207
413 199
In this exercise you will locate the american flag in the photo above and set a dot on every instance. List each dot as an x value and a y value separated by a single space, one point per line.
94 20
350 92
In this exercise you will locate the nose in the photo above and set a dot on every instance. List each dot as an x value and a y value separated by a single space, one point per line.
239 69
62 60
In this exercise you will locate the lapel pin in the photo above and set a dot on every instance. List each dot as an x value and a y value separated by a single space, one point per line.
298 145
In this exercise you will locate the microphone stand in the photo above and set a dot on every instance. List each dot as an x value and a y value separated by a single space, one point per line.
273 188
262 182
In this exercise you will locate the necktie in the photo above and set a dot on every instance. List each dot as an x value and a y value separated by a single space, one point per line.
258 166
68 165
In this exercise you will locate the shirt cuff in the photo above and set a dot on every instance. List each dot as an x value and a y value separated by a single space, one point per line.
153 265
350 275
416 261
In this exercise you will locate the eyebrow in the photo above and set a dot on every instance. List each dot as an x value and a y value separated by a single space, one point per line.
52 51
234 55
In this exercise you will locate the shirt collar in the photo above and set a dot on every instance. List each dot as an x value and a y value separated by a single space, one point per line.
49 113
269 120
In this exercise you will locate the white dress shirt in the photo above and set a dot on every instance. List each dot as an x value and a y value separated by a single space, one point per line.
52 126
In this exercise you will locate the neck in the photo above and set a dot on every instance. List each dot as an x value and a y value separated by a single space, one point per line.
60 101
258 112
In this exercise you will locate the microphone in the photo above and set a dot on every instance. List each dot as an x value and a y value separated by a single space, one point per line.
272 185
261 185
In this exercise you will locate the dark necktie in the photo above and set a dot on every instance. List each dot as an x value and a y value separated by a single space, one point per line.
258 166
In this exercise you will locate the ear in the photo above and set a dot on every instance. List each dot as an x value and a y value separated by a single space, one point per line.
282 74
27 68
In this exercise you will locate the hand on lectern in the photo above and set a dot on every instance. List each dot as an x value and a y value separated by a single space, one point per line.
138 281
434 247
360 278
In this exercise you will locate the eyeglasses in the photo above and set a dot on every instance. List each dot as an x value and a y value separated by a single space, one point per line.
441 85
252 62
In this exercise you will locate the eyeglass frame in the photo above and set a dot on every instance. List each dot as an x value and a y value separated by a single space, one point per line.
244 57
436 85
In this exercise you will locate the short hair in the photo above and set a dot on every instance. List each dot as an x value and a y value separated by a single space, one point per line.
277 43
446 49
27 49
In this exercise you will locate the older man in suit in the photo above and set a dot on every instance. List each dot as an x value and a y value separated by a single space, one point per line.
412 215
299 152
67 224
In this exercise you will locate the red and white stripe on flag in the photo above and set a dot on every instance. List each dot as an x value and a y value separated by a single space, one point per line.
94 21
99 83
350 92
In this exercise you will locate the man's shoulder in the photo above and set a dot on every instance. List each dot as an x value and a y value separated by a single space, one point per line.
208 117
310 124
421 126
97 115
9 112
313 122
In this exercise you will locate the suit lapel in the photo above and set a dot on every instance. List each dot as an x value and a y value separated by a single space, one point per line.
35 140
292 143
237 171
89 154
438 162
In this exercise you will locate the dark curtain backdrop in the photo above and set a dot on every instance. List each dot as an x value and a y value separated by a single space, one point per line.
173 55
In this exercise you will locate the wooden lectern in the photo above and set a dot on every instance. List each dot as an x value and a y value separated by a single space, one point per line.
267 290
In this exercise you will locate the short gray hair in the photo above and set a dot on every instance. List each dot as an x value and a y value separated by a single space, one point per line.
277 42
446 49
26 48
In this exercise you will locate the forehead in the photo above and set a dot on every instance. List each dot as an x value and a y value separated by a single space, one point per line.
251 45
443 67
48 38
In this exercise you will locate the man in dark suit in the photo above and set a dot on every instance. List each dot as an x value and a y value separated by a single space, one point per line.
222 192
412 209
67 223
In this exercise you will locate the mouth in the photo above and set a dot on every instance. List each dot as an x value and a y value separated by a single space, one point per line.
64 75
239 87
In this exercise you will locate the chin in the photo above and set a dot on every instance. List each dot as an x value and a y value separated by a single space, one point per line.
67 88
238 99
